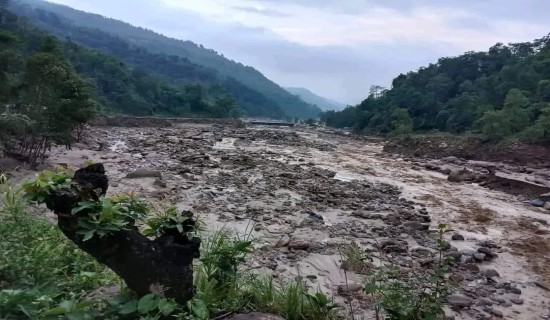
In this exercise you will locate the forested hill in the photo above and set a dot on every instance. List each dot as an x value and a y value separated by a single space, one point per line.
115 87
501 93
176 60
310 97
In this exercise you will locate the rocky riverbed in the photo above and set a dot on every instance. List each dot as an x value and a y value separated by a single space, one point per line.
306 192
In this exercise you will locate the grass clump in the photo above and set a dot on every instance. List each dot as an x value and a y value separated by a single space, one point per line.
39 267
225 286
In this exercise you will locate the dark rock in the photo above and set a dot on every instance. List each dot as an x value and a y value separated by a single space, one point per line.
457 236
456 277
432 166
481 302
346 289
454 254
471 267
479 256
391 245
537 203
487 252
515 290
299 244
489 273
460 301
461 175
516 301
415 225
497 313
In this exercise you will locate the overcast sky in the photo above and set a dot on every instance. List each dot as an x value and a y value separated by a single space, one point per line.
336 48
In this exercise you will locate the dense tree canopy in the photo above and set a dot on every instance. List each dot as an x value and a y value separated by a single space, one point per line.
501 93
179 62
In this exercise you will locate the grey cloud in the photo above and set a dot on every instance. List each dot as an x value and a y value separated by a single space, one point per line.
263 12
343 73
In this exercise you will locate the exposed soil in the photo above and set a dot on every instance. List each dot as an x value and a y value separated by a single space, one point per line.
309 192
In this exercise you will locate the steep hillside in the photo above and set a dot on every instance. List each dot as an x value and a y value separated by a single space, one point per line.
310 97
177 60
115 86
503 93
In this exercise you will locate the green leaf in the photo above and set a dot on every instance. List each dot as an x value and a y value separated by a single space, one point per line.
88 234
199 309
57 311
129 307
370 288
147 303
166 307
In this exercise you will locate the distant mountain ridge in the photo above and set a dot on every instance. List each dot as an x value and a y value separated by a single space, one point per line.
324 104
255 93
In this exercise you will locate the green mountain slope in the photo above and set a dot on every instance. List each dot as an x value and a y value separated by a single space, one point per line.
310 97
501 93
115 86
177 60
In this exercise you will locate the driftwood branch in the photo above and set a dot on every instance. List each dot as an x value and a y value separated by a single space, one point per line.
162 266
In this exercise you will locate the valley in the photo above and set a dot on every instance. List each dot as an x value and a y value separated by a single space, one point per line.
305 193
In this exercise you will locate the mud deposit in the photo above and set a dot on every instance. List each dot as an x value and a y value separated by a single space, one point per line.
306 192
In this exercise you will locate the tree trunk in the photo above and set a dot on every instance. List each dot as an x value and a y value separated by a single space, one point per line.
162 266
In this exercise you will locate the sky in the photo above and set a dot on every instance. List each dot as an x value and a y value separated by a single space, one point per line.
335 48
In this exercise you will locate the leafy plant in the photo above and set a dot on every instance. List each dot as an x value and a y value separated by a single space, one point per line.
418 297
46 182
170 218
107 215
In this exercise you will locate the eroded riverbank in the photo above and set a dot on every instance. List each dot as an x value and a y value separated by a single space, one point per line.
306 192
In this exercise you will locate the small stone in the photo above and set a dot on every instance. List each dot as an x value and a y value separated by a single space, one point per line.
311 276
542 285
456 277
537 203
299 244
489 273
547 205
498 300
517 301
479 256
515 290
415 225
487 251
349 288
160 183
497 313
481 302
471 267
457 237
283 241
455 255
460 301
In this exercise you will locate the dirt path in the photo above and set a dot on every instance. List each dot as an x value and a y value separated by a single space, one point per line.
306 192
